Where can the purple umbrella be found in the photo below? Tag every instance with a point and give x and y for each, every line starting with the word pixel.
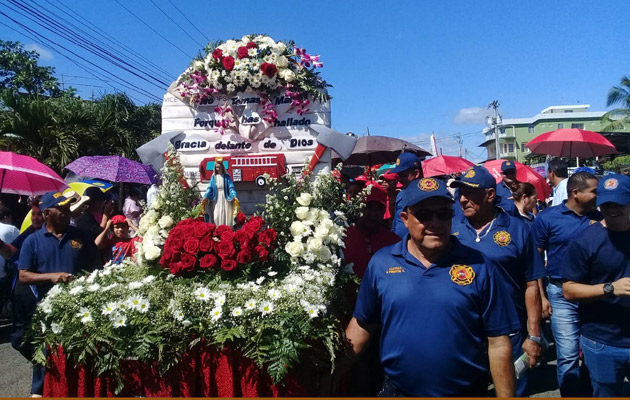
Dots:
pixel 113 169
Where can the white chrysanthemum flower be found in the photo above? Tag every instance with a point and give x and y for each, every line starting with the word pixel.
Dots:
pixel 259 280
pixel 216 313
pixel 219 300
pixel 144 306
pixel 274 294
pixel 148 279
pixel 134 302
pixel 55 290
pixel 119 321
pixel 76 290
pixel 109 308
pixel 46 305
pixel 266 307
pixel 109 287
pixel 55 328
pixel 178 315
pixel 135 285
pixel 85 314
pixel 202 294
pixel 250 304
pixel 237 312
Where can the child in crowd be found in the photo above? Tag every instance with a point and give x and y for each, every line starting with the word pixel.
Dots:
pixel 120 245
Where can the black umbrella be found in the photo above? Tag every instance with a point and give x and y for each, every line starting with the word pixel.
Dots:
pixel 372 150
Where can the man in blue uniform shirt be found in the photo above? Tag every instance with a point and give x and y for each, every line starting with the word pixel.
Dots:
pixel 54 254
pixel 438 304
pixel 408 167
pixel 506 187
pixel 554 229
pixel 597 274
pixel 505 242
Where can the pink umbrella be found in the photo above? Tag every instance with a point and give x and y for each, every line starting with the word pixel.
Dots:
pixel 25 175
pixel 524 173
pixel 571 142
pixel 444 165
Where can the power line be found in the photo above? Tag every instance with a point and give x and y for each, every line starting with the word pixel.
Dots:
pixel 154 31
pixel 189 21
pixel 175 23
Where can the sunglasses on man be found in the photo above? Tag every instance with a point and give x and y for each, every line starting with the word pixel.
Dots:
pixel 425 215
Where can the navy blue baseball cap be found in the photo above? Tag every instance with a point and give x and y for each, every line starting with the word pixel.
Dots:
pixel 425 188
pixel 507 165
pixel 406 161
pixel 476 177
pixel 614 188
pixel 54 199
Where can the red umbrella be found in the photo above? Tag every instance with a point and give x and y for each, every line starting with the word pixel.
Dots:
pixel 571 142
pixel 524 173
pixel 25 175
pixel 444 165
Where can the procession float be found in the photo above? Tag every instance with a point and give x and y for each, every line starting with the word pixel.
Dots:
pixel 257 309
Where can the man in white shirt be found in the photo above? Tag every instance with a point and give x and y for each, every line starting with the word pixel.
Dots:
pixel 557 174
pixel 8 233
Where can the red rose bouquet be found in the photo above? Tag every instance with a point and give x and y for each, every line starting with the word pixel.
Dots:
pixel 194 245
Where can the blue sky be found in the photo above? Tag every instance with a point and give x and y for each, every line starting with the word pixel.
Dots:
pixel 404 68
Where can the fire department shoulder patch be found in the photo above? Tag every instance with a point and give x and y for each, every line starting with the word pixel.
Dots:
pixel 462 274
pixel 76 244
pixel 502 238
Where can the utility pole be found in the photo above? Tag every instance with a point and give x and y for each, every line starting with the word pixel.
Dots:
pixel 459 142
pixel 495 122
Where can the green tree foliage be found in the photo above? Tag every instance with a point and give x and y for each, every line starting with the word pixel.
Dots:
pixel 20 72
pixel 618 118
pixel 617 164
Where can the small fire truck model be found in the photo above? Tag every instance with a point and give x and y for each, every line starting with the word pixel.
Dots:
pixel 247 168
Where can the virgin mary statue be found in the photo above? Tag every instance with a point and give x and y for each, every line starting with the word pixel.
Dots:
pixel 219 197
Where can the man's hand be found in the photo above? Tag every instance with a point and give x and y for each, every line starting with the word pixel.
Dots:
pixel 533 351
pixel 61 277
pixel 622 287
pixel 109 208
pixel 546 308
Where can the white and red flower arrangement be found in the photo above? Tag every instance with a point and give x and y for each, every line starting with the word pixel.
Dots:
pixel 194 245
pixel 259 64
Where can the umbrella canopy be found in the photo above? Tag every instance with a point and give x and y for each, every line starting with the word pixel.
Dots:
pixel 25 175
pixel 371 150
pixel 384 168
pixel 524 173
pixel 571 142
pixel 444 165
pixel 113 169
pixel 152 152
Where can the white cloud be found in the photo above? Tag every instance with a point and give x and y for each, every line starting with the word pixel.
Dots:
pixel 472 115
pixel 43 53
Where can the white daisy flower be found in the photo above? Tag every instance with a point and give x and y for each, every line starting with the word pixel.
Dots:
pixel 55 327
pixel 237 312
pixel 274 294
pixel 85 314
pixel 143 307
pixel 135 285
pixel 202 294
pixel 250 304
pixel 109 308
pixel 266 307
pixel 216 313
pixel 76 290
pixel 178 315
pixel 119 320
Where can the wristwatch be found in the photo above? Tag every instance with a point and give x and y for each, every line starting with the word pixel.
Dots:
pixel 537 339
pixel 609 289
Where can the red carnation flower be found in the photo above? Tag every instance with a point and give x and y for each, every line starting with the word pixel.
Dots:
pixel 206 244
pixel 228 265
pixel 217 53
pixel 251 45
pixel 244 256
pixel 191 246
pixel 228 63
pixel 225 249
pixel 242 52
pixel 269 69
pixel 263 253
pixel 208 261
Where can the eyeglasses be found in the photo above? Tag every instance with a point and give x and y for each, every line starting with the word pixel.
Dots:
pixel 425 215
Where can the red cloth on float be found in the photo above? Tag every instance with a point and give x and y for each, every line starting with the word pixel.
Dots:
pixel 203 372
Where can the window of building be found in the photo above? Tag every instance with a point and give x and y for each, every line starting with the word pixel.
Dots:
pixel 568 111
pixel 523 148
pixel 560 126
pixel 578 126
pixel 510 148
pixel 502 129
pixel 530 129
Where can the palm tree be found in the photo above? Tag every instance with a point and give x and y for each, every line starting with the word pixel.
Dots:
pixel 618 118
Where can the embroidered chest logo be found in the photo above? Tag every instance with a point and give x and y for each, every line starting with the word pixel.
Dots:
pixel 611 184
pixel 462 274
pixel 502 238
pixel 591 222
pixel 428 185
pixel 395 270
pixel 76 244
pixel 470 173
pixel 397 161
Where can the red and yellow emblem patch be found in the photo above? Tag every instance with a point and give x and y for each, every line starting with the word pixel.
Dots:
pixel 428 185
pixel 611 184
pixel 397 161
pixel 470 173
pixel 462 274
pixel 502 238
pixel 76 244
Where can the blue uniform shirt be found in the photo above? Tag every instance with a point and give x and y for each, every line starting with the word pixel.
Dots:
pixel 42 252
pixel 599 255
pixel 554 229
pixel 507 244
pixel 434 320
pixel 398 227
pixel 507 202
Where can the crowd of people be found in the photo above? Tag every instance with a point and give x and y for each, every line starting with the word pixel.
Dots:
pixel 476 268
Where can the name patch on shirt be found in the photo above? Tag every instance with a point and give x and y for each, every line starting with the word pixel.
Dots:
pixel 502 238
pixel 462 274
pixel 76 244
pixel 395 270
